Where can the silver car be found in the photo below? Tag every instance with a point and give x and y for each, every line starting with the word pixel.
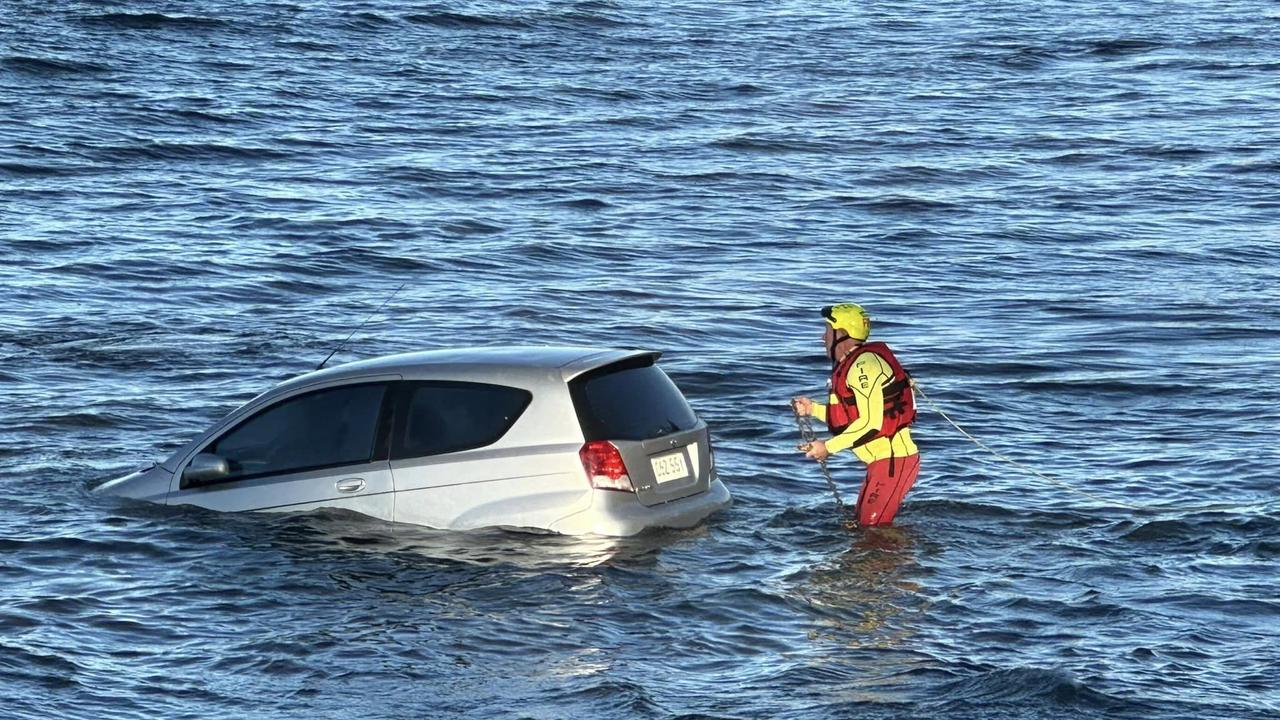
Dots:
pixel 566 440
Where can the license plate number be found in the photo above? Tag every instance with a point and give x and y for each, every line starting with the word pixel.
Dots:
pixel 671 466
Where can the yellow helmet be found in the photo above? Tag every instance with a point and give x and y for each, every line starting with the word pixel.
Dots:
pixel 849 318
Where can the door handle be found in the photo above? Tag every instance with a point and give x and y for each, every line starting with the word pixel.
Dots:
pixel 350 485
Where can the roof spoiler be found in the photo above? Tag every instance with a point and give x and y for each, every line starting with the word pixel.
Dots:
pixel 600 360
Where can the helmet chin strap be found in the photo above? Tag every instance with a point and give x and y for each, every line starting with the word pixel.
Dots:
pixel 837 337
pixel 840 338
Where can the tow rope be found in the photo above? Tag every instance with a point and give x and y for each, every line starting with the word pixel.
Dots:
pixel 1015 463
pixel 848 518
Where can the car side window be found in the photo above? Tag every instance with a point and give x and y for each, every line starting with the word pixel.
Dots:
pixel 444 417
pixel 326 428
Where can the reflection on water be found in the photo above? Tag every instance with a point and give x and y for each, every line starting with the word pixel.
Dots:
pixel 326 531
pixel 865 589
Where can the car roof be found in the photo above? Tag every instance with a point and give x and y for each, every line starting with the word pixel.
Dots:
pixel 477 364
pixel 474 361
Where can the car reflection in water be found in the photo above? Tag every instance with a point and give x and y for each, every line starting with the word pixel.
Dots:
pixel 337 533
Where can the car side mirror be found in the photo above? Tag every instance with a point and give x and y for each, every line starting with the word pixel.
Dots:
pixel 205 469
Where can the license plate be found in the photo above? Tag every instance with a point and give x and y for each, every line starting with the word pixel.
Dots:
pixel 671 466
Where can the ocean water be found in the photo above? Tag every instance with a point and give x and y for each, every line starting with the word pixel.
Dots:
pixel 1064 216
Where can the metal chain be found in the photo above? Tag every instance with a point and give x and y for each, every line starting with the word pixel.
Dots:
pixel 848 518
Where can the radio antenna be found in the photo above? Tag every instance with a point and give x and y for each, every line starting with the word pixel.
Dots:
pixel 366 322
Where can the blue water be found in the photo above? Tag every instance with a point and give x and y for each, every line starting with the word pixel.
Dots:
pixel 1064 216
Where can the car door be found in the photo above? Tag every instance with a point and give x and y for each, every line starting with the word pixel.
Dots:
pixel 453 469
pixel 322 448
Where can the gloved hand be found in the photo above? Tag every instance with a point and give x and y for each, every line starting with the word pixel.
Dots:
pixel 817 450
pixel 803 406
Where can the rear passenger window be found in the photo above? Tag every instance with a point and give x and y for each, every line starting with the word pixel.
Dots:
pixel 630 402
pixel 445 417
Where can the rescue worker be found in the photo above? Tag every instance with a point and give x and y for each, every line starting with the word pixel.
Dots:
pixel 868 408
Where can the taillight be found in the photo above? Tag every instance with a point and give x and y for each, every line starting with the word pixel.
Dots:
pixel 604 466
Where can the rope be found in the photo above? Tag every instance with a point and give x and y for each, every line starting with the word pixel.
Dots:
pixel 848 518
pixel 1015 463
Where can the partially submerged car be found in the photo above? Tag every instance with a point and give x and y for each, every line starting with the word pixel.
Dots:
pixel 567 440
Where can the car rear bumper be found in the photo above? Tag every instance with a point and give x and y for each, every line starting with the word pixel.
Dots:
pixel 620 513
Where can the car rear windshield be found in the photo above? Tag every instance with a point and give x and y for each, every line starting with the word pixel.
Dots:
pixel 630 402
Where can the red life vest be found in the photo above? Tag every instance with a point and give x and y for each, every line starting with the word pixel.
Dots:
pixel 899 401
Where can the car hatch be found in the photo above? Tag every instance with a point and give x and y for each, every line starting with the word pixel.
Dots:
pixel 634 406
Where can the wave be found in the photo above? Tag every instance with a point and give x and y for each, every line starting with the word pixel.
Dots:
pixel 74 549
pixel 36 171
pixel 1025 688
pixel 152 21
pixel 457 20
pixel 464 228
pixel 51 671
pixel 1121 46
pixel 1059 519
pixel 1203 529
pixel 585 204
pixel 367 21
pixel 1095 387
pixel 882 203
pixel 47 66
pixel 174 150
pixel 764 145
